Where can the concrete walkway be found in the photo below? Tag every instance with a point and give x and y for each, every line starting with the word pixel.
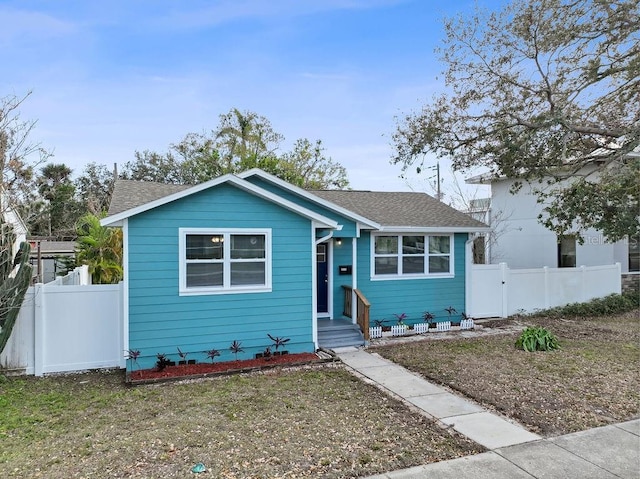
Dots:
pixel 606 452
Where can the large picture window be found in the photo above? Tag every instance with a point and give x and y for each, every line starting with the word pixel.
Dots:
pixel 411 255
pixel 224 261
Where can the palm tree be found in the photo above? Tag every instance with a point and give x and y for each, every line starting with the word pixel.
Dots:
pixel 100 248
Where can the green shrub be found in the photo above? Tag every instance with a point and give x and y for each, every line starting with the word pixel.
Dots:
pixel 612 304
pixel 537 339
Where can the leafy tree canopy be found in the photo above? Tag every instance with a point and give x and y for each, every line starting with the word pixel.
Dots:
pixel 548 91
pixel 242 140
pixel 94 188
pixel 19 154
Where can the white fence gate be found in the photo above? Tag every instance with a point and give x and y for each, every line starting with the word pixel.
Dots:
pixel 494 290
pixel 67 328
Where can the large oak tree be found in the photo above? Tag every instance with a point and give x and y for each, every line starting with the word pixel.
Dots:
pixel 547 91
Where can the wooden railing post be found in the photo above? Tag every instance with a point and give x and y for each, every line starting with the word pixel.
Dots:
pixel 362 313
pixel 361 309
pixel 347 308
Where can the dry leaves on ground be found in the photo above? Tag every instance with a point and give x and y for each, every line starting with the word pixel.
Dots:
pixel 591 381
pixel 311 422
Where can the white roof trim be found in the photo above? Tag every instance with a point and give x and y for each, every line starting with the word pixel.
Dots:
pixel 309 196
pixel 483 179
pixel 230 179
pixel 435 229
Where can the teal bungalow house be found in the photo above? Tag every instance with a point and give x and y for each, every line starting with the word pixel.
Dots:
pixel 244 256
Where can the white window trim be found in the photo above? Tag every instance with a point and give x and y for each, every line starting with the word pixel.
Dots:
pixel 226 232
pixel 400 277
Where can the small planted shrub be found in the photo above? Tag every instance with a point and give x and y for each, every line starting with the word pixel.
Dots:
pixel 450 310
pixel 278 341
pixel 213 354
pixel 183 356
pixel 428 317
pixel 132 356
pixel 400 319
pixel 537 339
pixel 379 323
pixel 235 348
pixel 162 361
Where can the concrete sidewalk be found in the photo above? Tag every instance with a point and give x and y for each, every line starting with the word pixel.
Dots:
pixel 605 452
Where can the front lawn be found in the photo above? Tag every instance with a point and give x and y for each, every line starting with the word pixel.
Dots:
pixel 591 381
pixel 310 422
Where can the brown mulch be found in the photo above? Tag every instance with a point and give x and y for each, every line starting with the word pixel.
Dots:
pixel 591 381
pixel 143 376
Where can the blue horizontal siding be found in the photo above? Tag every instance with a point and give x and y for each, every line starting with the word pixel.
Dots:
pixel 160 320
pixel 412 297
pixel 349 226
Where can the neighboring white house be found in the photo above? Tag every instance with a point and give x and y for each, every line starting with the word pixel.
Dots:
pixel 521 241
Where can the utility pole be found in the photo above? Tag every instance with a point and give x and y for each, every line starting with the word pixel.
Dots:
pixel 438 175
pixel 438 191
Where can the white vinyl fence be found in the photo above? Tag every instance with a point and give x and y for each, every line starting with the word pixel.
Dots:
pixel 494 290
pixel 78 277
pixel 67 328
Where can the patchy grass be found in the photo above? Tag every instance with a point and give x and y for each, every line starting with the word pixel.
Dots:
pixel 311 422
pixel 591 381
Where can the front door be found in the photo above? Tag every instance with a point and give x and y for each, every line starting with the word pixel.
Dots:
pixel 322 269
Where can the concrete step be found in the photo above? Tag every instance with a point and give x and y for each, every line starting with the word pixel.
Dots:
pixel 337 338
pixel 337 325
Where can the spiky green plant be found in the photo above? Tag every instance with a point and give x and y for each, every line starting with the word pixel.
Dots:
pixel 15 276
pixel 537 339
pixel 100 248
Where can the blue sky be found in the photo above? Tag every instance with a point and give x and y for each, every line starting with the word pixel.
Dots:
pixel 112 77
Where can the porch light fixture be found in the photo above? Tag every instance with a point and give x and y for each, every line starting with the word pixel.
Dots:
pixel 339 241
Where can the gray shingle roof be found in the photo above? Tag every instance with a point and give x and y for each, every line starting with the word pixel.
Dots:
pixel 386 208
pixel 128 194
pixel 400 208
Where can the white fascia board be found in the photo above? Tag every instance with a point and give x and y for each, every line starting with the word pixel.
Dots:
pixel 482 179
pixel 435 229
pixel 115 220
pixel 309 196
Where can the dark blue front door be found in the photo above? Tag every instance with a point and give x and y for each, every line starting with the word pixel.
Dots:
pixel 322 260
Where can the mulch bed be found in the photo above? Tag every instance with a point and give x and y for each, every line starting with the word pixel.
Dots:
pixel 188 371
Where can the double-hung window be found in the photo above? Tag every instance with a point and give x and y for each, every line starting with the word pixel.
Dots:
pixel 224 261
pixel 411 255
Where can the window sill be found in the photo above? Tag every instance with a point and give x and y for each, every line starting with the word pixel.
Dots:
pixel 414 277
pixel 214 292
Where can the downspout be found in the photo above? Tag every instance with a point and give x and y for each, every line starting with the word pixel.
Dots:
pixel 469 307
pixel 124 288
pixel 354 278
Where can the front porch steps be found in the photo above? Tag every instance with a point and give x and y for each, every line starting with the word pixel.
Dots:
pixel 338 333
